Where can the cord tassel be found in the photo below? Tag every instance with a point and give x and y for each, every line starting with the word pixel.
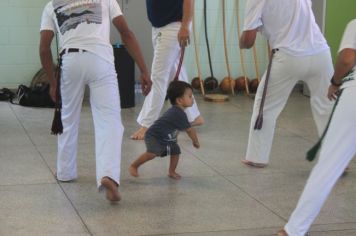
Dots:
pixel 311 154
pixel 57 126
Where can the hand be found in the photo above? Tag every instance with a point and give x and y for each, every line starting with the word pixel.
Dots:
pixel 333 92
pixel 183 36
pixel 196 144
pixel 146 83
pixel 53 90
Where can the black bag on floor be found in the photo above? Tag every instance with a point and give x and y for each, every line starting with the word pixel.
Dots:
pixel 37 96
pixel 6 95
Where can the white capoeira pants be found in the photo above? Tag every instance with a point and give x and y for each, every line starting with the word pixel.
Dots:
pixel 338 148
pixel 79 69
pixel 286 71
pixel 164 67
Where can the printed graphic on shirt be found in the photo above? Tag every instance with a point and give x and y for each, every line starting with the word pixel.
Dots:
pixel 71 13
pixel 172 137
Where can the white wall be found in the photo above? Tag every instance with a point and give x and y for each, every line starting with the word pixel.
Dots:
pixel 135 14
pixel 215 34
pixel 319 8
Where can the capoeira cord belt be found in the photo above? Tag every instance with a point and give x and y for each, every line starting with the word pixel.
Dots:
pixel 311 154
pixel 180 63
pixel 176 77
pixel 57 126
pixel 259 120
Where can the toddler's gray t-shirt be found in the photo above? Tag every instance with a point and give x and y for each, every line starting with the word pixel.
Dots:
pixel 166 128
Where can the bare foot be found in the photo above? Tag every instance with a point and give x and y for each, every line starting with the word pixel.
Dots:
pixel 111 188
pixel 174 175
pixel 139 134
pixel 198 121
pixel 133 171
pixel 282 232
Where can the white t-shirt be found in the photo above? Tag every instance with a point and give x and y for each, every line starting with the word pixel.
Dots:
pixel 349 41
pixel 83 24
pixel 287 24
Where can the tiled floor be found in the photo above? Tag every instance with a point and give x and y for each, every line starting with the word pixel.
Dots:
pixel 217 196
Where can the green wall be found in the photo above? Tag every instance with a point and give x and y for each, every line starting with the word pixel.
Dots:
pixel 338 14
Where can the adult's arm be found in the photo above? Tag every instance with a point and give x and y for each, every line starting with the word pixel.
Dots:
pixel 46 37
pixel 344 63
pixel 346 60
pixel 184 31
pixel 248 38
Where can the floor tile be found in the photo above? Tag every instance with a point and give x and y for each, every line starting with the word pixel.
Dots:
pixel 38 210
pixel 217 195
pixel 161 206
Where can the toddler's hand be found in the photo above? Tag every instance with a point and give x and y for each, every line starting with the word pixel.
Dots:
pixel 196 144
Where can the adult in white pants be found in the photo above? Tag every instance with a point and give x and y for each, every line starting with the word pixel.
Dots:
pixel 288 25
pixel 339 144
pixel 83 29
pixel 171 20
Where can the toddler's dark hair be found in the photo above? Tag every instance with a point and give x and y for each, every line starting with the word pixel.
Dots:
pixel 176 90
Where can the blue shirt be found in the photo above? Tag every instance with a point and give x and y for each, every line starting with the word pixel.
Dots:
pixel 163 12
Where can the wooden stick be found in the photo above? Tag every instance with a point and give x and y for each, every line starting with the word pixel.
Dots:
pixel 207 39
pixel 268 47
pixel 196 50
pixel 255 57
pixel 241 52
pixel 225 48
pixel 212 97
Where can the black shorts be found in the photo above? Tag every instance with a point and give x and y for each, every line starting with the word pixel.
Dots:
pixel 153 146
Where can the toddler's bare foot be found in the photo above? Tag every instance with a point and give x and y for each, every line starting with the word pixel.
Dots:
pixel 174 175
pixel 139 134
pixel 111 188
pixel 133 171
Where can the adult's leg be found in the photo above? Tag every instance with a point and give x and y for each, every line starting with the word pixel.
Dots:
pixel 105 106
pixel 72 92
pixel 318 81
pixel 284 75
pixel 338 148
pixel 166 52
